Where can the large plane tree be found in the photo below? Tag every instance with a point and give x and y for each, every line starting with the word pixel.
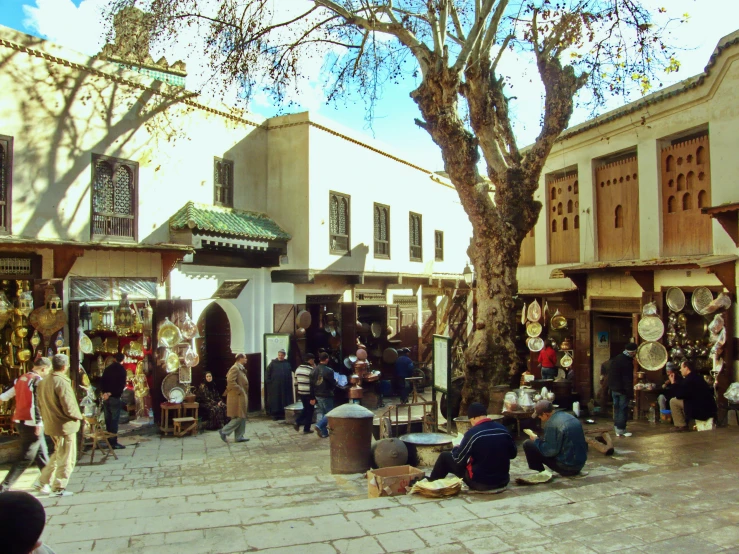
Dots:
pixel 453 49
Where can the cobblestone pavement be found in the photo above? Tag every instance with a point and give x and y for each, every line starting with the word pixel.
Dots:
pixel 660 492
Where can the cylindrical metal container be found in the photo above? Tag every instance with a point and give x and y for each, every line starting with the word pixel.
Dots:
pixel 463 424
pixel 424 448
pixel 497 394
pixel 350 427
pixel 389 452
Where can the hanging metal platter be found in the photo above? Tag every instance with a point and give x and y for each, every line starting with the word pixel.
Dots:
pixel 702 298
pixel 566 360
pixel 651 328
pixel 652 356
pixel 558 321
pixel 533 329
pixel 535 344
pixel 534 311
pixel 170 381
pixel 675 299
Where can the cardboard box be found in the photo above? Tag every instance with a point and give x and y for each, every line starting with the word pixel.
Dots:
pixel 392 481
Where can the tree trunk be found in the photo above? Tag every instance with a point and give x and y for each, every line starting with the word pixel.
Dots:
pixel 498 229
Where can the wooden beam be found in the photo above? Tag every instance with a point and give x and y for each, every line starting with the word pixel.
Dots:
pixel 64 259
pixel 730 222
pixel 169 261
pixel 580 280
pixel 726 273
pixel 645 279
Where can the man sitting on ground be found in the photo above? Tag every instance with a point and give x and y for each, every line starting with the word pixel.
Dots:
pixel 483 458
pixel 563 448
pixel 693 398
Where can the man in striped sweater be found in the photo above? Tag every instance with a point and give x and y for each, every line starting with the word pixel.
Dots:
pixel 483 458
pixel 305 376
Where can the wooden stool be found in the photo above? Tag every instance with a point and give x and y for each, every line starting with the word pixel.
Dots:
pixel 164 422
pixel 190 407
pixel 97 434
pixel 192 428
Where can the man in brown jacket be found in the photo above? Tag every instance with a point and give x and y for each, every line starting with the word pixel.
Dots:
pixel 61 416
pixel 237 386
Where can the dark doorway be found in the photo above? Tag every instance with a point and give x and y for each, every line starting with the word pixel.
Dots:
pixel 214 345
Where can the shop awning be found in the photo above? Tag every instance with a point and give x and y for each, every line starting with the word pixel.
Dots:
pixel 308 276
pixel 66 252
pixel 728 216
pixel 723 266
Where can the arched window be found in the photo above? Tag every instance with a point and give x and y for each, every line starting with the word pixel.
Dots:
pixel 577 222
pixel 687 202
pixel 619 217
pixel 703 199
pixel 559 208
pixel 671 205
pixel 577 187
pixel 669 163
pixel 339 223
pixel 382 231
pixel 415 230
pixel 689 180
pixel 700 155
pixel 565 225
pixel 680 182
pixel 554 226
pixel 569 206
pixel 114 198
pixel 554 193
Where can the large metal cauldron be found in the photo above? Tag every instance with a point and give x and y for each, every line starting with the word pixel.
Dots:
pixel 351 438
pixel 424 448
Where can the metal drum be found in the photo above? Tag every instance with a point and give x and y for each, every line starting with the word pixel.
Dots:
pixel 350 427
pixel 389 452
pixel 424 448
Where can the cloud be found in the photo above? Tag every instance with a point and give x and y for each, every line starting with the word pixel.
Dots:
pixel 78 27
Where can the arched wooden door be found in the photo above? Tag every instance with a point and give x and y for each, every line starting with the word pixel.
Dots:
pixel 214 344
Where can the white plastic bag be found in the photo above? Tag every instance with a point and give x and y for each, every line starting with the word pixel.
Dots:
pixel 732 394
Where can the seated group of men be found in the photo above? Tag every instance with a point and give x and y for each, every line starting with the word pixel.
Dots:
pixel 483 458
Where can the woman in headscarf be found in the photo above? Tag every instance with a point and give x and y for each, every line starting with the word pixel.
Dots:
pixel 211 404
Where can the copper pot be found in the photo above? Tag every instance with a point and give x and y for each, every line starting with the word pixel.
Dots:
pixel 356 392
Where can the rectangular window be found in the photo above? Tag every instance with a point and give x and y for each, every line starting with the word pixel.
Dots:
pixel 382 231
pixel 114 198
pixel 223 177
pixel 415 237
pixel 439 246
pixel 6 179
pixel 339 222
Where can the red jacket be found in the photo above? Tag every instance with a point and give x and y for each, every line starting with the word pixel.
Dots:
pixel 548 357
pixel 26 407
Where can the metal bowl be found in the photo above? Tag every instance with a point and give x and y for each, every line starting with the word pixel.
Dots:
pixel 652 356
pixel 702 298
pixel 533 329
pixel 651 328
pixel 535 344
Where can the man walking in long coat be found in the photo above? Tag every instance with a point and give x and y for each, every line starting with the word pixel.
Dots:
pixel 237 387
pixel 279 381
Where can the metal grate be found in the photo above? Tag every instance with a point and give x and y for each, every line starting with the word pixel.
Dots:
pixel 223 179
pixel 382 231
pixel 15 266
pixel 113 198
pixel 439 246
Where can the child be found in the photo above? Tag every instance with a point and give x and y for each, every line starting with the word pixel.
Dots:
pixel 22 520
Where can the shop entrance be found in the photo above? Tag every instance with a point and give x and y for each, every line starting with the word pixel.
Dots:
pixel 611 332
pixel 214 344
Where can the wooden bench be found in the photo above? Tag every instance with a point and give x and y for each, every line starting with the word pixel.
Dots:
pixel 179 426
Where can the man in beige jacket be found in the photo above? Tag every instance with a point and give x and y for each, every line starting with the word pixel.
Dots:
pixel 237 386
pixel 61 416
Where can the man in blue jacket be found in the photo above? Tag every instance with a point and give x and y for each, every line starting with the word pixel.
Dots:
pixel 483 458
pixel 563 448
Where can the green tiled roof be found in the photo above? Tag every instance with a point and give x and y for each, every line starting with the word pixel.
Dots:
pixel 227 221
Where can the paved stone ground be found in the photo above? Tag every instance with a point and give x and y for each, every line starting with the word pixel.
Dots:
pixel 660 492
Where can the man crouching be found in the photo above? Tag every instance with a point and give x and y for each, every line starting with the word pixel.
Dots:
pixel 483 458
pixel 563 448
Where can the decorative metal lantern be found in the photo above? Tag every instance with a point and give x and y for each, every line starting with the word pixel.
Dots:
pixel 6 310
pixel 85 317
pixel 53 302
pixel 24 304
pixel 108 318
pixel 147 317
pixel 124 315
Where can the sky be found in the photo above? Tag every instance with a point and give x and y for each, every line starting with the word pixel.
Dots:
pixel 76 24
